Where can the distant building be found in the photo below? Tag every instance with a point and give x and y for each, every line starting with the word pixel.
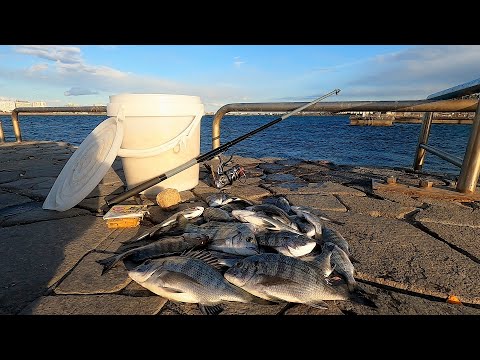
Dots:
pixel 71 105
pixel 22 103
pixel 39 103
pixel 7 105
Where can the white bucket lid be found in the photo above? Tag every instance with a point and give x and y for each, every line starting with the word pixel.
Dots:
pixel 87 166
pixel 154 105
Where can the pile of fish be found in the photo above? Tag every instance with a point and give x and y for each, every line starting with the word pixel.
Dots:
pixel 238 251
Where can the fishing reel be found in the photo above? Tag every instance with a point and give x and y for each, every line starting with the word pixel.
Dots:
pixel 226 177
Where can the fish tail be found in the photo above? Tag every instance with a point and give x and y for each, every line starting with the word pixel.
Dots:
pixel 352 285
pixel 361 297
pixel 109 262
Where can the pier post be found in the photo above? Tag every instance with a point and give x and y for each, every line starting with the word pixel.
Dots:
pixel 423 139
pixel 467 181
pixel 2 135
pixel 16 126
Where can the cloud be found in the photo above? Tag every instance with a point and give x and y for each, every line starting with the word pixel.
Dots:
pixel 37 67
pixel 237 62
pixel 61 53
pixel 415 72
pixel 77 91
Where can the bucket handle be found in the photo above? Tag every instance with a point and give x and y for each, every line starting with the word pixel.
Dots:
pixel 178 141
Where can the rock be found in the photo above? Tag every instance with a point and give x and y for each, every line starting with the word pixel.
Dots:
pixel 168 198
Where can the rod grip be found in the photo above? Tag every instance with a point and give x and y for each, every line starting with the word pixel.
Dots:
pixel 135 190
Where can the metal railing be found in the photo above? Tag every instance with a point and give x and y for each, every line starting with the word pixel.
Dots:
pixel 438 102
pixel 469 164
pixel 46 110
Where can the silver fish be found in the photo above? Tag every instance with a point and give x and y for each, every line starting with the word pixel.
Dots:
pixel 313 219
pixel 216 214
pixel 279 277
pixel 343 266
pixel 233 238
pixel 304 226
pixel 274 212
pixel 323 260
pixel 262 222
pixel 220 199
pixel 190 278
pixel 279 202
pixel 332 235
pixel 226 259
pixel 189 213
pixel 168 245
pixel 287 242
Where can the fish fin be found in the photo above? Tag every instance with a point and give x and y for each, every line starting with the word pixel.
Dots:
pixel 109 262
pixel 182 222
pixel 172 277
pixel 172 290
pixel 268 280
pixel 210 310
pixel 204 256
pixel 253 298
pixel 322 305
pixel 258 300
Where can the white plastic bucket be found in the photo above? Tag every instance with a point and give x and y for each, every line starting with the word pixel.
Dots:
pixel 161 132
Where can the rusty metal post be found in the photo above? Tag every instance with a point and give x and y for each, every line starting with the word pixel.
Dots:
pixel 16 126
pixel 2 135
pixel 423 139
pixel 467 181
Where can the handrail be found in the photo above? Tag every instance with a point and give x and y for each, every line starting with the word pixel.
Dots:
pixel 464 105
pixel 470 165
pixel 42 110
pixel 437 103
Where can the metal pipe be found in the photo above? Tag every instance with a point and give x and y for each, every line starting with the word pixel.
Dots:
pixel 42 110
pixel 464 105
pixel 16 126
pixel 443 155
pixel 2 135
pixel 467 181
pixel 423 139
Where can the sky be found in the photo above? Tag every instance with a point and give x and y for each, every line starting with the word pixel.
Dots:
pixel 222 74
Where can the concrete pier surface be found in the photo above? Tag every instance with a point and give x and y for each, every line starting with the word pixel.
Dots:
pixel 414 249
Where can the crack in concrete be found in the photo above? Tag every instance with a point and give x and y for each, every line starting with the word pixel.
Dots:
pixel 343 203
pixel 432 233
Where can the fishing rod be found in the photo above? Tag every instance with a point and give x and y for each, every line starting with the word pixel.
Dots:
pixel 209 155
